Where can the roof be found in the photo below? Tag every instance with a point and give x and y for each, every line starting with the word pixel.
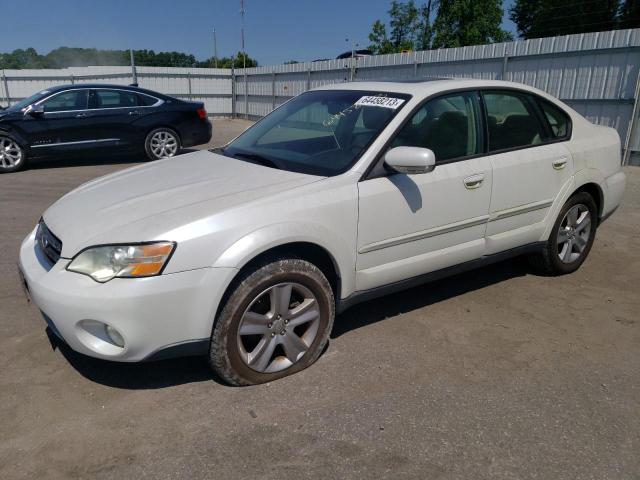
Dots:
pixel 101 85
pixel 427 86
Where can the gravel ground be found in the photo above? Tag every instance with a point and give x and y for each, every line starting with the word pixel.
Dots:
pixel 497 373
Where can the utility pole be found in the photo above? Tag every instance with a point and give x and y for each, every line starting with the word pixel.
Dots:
pixel 215 50
pixel 244 61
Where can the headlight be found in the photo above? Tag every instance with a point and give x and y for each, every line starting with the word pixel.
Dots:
pixel 130 261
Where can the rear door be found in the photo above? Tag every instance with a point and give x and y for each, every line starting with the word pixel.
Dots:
pixel 531 165
pixel 113 112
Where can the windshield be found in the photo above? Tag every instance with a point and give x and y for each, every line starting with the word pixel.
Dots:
pixel 28 101
pixel 318 133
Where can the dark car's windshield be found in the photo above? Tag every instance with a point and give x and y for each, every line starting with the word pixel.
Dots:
pixel 319 133
pixel 28 101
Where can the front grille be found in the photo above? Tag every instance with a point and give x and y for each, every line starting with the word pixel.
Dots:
pixel 48 243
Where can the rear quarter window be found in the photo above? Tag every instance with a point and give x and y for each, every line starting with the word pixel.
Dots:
pixel 558 120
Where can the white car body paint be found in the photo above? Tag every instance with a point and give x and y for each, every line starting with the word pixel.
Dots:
pixel 222 213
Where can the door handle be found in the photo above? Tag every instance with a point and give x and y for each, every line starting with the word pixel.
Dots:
pixel 134 112
pixel 560 163
pixel 474 181
pixel 81 115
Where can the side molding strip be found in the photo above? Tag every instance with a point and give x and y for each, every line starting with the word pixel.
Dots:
pixel 432 232
pixel 529 207
pixel 81 142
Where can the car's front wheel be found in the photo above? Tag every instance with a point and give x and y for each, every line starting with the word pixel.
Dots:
pixel 162 142
pixel 12 156
pixel 571 237
pixel 275 322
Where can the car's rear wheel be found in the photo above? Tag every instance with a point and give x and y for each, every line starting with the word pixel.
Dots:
pixel 275 322
pixel 12 156
pixel 162 143
pixel 571 237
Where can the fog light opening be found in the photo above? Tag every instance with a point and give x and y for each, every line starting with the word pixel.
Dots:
pixel 114 336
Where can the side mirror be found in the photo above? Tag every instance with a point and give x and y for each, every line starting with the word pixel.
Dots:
pixel 35 110
pixel 410 160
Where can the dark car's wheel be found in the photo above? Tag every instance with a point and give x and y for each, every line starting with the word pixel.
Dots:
pixel 275 322
pixel 12 156
pixel 571 237
pixel 162 142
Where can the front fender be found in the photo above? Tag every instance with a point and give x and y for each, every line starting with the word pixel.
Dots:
pixel 259 241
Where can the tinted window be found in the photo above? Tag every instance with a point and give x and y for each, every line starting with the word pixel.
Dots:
pixel 146 100
pixel 113 99
pixel 512 121
pixel 448 125
pixel 70 100
pixel 558 120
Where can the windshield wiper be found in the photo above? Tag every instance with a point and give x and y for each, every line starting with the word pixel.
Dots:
pixel 254 157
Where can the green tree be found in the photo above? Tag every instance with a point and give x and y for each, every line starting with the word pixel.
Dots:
pixel 404 22
pixel 380 43
pixel 469 22
pixel 547 18
pixel 425 29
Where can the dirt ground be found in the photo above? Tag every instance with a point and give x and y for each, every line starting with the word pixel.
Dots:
pixel 497 373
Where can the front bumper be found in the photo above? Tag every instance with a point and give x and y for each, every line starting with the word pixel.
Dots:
pixel 152 314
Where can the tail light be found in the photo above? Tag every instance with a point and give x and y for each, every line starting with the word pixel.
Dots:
pixel 202 113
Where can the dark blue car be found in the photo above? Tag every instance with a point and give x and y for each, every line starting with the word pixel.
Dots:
pixel 78 119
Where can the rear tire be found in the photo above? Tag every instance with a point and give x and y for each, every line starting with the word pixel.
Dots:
pixel 276 321
pixel 571 238
pixel 12 156
pixel 162 142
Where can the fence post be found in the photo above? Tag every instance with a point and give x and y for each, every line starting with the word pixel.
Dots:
pixel 309 78
pixel 72 79
pixel 6 88
pixel 273 89
pixel 134 73
pixel 189 85
pixel 233 92
pixel 635 111
pixel 505 61
pixel 246 95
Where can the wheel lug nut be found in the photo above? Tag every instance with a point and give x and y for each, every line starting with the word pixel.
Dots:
pixel 273 334
pixel 286 322
pixel 269 325
pixel 283 332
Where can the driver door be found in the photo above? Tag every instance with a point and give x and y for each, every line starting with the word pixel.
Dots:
pixel 410 225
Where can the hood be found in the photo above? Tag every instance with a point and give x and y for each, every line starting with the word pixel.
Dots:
pixel 143 202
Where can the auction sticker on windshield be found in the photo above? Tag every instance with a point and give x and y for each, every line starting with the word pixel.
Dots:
pixel 386 102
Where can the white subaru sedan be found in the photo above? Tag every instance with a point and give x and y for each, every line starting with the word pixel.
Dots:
pixel 347 192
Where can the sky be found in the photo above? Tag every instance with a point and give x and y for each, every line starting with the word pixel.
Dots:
pixel 275 30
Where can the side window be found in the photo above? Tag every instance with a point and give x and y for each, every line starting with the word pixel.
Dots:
pixel 65 101
pixel 558 120
pixel 113 99
pixel 512 121
pixel 448 125
pixel 146 100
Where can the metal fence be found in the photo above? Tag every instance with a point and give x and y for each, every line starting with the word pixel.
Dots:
pixel 598 74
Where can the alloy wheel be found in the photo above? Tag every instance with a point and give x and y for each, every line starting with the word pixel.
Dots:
pixel 278 327
pixel 164 144
pixel 10 153
pixel 574 233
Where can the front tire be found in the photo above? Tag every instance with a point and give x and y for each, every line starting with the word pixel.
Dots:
pixel 162 142
pixel 12 156
pixel 571 238
pixel 275 322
